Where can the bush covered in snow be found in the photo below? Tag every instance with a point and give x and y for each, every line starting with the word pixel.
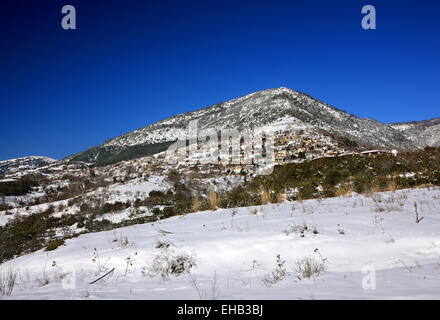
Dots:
pixel 170 261
pixel 7 282
pixel 309 267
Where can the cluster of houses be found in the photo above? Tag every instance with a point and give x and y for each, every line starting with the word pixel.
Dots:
pixel 299 146
pixel 289 147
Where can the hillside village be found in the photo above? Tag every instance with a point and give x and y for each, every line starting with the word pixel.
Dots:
pixel 289 147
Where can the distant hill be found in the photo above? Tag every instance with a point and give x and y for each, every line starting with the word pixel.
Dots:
pixel 22 164
pixel 424 133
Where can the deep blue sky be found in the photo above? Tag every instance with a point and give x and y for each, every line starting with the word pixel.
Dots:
pixel 132 63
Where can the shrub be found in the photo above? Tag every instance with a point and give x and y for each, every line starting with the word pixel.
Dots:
pixel 114 207
pixel 278 274
pixel 281 197
pixel 168 212
pixel 156 211
pixel 22 234
pixel 4 207
pixel 196 203
pixel 265 196
pixel 240 197
pixel 162 244
pixel 343 189
pixel 299 229
pixel 7 282
pixel 21 186
pixel 360 184
pixel 73 201
pixel 309 267
pixel 382 183
pixel 307 191
pixel 392 186
pixel 332 177
pixel 54 244
pixel 98 225
pixel 170 261
pixel 213 200
pixel 156 197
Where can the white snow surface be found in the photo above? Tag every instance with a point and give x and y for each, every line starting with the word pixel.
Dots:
pixel 234 252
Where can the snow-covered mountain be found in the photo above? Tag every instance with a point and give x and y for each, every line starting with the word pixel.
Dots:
pixel 25 163
pixel 279 109
pixel 423 133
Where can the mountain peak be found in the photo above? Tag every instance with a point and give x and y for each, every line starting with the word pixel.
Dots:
pixel 277 109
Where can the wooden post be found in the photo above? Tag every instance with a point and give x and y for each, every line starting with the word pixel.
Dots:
pixel 417 214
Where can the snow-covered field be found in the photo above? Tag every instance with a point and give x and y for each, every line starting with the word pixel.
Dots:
pixel 235 252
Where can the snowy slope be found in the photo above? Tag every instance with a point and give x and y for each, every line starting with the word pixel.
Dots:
pixel 423 133
pixel 262 109
pixel 236 252
pixel 22 164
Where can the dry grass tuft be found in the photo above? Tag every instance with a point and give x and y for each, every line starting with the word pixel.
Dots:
pixel 196 203
pixel 392 186
pixel 7 282
pixel 375 189
pixel 281 197
pixel 213 200
pixel 309 267
pixel 265 196
pixel 343 190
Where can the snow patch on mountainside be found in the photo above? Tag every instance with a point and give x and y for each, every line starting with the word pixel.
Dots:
pixel 25 163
